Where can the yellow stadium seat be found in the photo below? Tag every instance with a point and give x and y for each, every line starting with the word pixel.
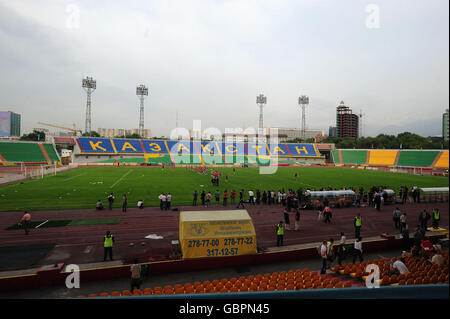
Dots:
pixel 382 157
pixel 443 160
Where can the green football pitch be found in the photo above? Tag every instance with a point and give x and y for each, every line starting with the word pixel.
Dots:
pixel 81 188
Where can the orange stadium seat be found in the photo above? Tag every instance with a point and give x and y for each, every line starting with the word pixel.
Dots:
pixel 137 292
pixel 186 285
pixel 148 291
pixel 179 291
pixel 410 281
pixel 126 292
pixel 104 294
pixel 223 290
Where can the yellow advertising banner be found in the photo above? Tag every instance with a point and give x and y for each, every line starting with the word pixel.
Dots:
pixel 216 233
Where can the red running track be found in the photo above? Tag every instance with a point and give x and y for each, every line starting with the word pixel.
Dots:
pixel 84 244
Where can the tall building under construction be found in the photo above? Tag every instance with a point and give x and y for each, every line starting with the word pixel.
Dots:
pixel 346 122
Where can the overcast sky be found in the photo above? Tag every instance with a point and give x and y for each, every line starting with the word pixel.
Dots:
pixel 210 59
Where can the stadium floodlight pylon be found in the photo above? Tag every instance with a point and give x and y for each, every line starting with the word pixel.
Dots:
pixel 261 100
pixel 303 101
pixel 141 91
pixel 89 85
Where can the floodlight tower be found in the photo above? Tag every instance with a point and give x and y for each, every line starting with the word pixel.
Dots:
pixel 303 101
pixel 89 85
pixel 261 100
pixel 361 132
pixel 141 91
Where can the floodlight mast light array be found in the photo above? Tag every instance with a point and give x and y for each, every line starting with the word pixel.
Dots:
pixel 261 100
pixel 89 85
pixel 141 91
pixel 303 101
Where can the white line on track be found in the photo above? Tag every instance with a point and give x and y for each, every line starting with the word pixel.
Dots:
pixel 88 249
pixel 41 224
pixel 120 178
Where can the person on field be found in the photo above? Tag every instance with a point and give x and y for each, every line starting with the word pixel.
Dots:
pixel 217 196
pixel 357 250
pixel 194 202
pixel 25 222
pixel 225 197
pixel 241 202
pixel 287 224
pixel 396 217
pixel 208 199
pixel 168 201
pixel 233 197
pixel 251 197
pixel 398 267
pixel 297 220
pixel 323 255
pixel 202 197
pixel 124 203
pixel 280 233
pixel 327 214
pixel 340 253
pixel 436 218
pixel 162 201
pixel 424 216
pixel 330 252
pixel 135 270
pixel 140 204
pixel 405 236
pixel 111 200
pixel 99 205
pixel 108 242
pixel 403 221
pixel 357 223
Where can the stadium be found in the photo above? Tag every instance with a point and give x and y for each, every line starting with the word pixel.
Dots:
pixel 294 198
pixel 66 225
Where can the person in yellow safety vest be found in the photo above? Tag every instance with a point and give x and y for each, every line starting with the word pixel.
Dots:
pixel 358 223
pixel 280 233
pixel 108 241
pixel 436 218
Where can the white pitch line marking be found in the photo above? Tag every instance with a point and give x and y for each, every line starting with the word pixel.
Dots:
pixel 73 177
pixel 41 224
pixel 120 178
